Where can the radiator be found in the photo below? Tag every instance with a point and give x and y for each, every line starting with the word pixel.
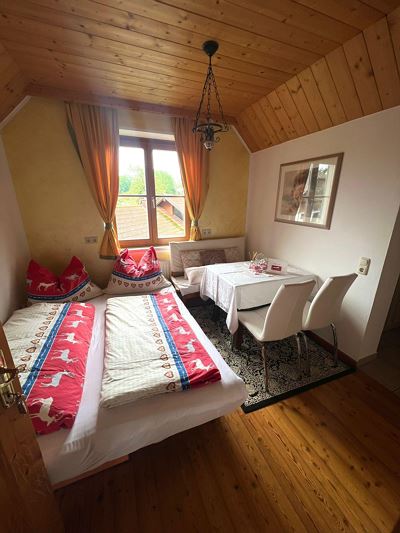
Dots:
pixel 166 268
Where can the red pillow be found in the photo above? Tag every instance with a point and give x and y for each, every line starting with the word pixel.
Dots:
pixel 131 276
pixel 74 284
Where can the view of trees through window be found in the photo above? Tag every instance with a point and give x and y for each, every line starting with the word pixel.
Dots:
pixel 139 195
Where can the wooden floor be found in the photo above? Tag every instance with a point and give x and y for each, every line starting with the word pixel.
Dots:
pixel 326 460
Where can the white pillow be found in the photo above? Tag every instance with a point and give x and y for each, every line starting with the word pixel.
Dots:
pixel 195 274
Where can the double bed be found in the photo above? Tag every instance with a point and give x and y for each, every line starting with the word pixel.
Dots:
pixel 101 436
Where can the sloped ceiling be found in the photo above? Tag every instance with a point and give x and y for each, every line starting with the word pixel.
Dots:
pixel 12 83
pixel 285 68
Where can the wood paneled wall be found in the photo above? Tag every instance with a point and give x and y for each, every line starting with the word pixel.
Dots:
pixel 12 83
pixel 357 79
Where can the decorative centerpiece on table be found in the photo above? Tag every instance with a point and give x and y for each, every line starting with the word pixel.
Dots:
pixel 258 263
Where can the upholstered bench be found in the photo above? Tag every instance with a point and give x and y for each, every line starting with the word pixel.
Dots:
pixel 234 248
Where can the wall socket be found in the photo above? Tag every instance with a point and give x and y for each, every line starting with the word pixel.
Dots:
pixel 363 266
pixel 91 239
pixel 206 232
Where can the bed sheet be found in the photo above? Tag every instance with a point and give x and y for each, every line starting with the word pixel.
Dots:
pixel 100 435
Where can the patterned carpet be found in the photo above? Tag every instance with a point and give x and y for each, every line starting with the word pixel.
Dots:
pixel 284 380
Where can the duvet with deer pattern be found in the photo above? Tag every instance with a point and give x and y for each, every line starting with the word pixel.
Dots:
pixel 49 343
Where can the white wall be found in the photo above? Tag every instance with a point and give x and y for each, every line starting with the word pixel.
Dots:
pixel 14 253
pixel 364 216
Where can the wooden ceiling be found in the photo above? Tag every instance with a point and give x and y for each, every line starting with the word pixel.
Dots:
pixel 147 53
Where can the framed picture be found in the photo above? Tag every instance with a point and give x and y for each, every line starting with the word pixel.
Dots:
pixel 307 190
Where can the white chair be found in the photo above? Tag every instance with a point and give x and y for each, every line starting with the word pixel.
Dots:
pixel 324 309
pixel 282 319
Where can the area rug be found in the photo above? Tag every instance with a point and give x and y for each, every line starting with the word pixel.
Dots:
pixel 246 362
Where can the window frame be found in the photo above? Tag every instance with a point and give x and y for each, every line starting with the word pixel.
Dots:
pixel 148 144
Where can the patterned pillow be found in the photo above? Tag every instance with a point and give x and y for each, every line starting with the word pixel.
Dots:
pixel 130 276
pixel 211 257
pixel 233 255
pixel 74 284
pixel 190 258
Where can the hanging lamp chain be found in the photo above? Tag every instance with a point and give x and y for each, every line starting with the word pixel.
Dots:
pixel 210 83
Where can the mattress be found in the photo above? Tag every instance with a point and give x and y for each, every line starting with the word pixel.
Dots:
pixel 101 435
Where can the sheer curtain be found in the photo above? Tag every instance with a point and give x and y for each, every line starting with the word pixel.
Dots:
pixel 193 161
pixel 95 133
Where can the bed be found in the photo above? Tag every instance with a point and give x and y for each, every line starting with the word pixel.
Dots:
pixel 101 436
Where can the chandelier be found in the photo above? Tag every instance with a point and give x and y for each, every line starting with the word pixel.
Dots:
pixel 206 126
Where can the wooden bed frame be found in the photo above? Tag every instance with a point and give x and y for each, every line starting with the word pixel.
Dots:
pixel 92 472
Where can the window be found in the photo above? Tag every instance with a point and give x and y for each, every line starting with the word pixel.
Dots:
pixel 151 201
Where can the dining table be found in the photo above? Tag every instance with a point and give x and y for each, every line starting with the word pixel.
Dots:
pixel 234 287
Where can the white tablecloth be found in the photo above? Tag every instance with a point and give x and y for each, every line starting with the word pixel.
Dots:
pixel 234 287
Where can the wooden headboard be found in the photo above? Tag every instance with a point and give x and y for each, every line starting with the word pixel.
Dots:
pixel 175 249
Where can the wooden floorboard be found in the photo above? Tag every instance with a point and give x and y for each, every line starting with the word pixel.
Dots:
pixel 323 461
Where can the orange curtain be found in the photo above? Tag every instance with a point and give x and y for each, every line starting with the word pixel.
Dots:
pixel 193 159
pixel 96 136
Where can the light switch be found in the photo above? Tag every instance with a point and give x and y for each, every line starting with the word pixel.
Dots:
pixel 91 239
pixel 363 266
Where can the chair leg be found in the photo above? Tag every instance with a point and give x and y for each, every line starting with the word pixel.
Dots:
pixel 308 372
pixel 265 359
pixel 335 345
pixel 298 353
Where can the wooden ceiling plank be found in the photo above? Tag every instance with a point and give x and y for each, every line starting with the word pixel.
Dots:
pixel 257 23
pixel 69 41
pixel 137 77
pixel 121 90
pixel 245 127
pixel 47 21
pixel 394 28
pixel 290 107
pixel 344 83
pixel 282 115
pixel 214 28
pixel 361 70
pixel 158 29
pixel 157 71
pixel 299 98
pixel 293 14
pixel 5 60
pixel 265 122
pixel 101 88
pixel 386 6
pixel 314 98
pixel 273 119
pixel 328 91
pixel 353 12
pixel 247 139
pixel 12 94
pixel 101 99
pixel 255 123
pixel 381 53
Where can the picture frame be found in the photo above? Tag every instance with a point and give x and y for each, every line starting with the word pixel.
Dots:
pixel 307 191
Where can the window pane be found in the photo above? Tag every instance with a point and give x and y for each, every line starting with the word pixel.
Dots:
pixel 170 216
pixel 132 220
pixel 167 174
pixel 131 170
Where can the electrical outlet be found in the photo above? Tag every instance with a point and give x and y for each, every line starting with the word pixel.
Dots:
pixel 363 266
pixel 206 232
pixel 91 239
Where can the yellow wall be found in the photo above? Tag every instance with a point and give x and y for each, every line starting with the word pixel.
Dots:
pixel 56 205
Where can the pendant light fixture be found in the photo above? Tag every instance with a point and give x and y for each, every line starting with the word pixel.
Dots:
pixel 204 123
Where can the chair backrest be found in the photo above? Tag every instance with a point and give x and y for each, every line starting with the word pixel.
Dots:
pixel 284 316
pixel 325 307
